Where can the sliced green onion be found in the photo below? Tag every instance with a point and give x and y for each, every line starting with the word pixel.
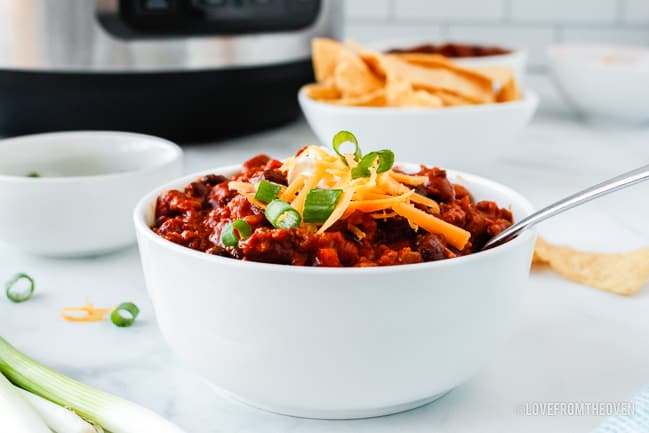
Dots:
pixel 17 294
pixel 267 191
pixel 343 137
pixel 33 174
pixel 385 162
pixel 281 215
pixel 125 314
pixel 110 412
pixel 234 232
pixel 319 204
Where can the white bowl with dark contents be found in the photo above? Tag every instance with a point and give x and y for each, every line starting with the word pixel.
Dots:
pixel 72 193
pixel 333 342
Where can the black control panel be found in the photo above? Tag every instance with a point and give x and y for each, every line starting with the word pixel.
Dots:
pixel 173 18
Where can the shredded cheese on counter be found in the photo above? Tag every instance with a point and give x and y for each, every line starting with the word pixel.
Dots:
pixel 89 313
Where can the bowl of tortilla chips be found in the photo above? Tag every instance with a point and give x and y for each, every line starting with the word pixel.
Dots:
pixel 424 106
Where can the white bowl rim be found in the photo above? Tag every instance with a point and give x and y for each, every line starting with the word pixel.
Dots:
pixel 530 99
pixel 173 150
pixel 553 48
pixel 149 199
pixel 584 57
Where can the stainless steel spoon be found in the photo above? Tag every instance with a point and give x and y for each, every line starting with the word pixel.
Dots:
pixel 618 182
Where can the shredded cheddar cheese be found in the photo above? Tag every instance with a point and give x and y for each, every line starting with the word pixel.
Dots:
pixel 408 179
pixel 455 235
pixel 312 182
pixel 291 191
pixel 381 195
pixel 89 313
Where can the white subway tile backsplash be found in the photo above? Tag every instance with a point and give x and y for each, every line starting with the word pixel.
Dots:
pixel 635 11
pixel 533 24
pixel 475 10
pixel 367 9
pixel 364 33
pixel 612 36
pixel 534 39
pixel 561 11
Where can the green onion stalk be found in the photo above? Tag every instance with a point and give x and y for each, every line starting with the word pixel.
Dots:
pixel 113 414
pixel 57 418
pixel 15 413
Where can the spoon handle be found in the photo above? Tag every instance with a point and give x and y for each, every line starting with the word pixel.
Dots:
pixel 618 182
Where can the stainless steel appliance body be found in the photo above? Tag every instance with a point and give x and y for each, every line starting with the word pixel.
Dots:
pixel 186 69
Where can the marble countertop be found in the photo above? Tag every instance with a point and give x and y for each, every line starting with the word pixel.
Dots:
pixel 571 343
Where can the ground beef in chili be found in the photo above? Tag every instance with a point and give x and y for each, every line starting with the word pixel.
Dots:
pixel 195 217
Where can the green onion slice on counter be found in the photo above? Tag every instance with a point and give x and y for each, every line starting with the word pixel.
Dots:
pixel 33 174
pixel 267 191
pixel 343 137
pixel 125 314
pixel 20 288
pixel 281 215
pixel 234 232
pixel 383 160
pixel 319 204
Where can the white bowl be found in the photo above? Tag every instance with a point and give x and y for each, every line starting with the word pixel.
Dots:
pixel 467 137
pixel 603 80
pixel 89 185
pixel 515 59
pixel 335 342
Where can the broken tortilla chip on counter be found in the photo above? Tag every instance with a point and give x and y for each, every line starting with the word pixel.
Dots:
pixel 348 74
pixel 619 273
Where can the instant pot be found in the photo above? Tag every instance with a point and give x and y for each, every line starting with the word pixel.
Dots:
pixel 185 69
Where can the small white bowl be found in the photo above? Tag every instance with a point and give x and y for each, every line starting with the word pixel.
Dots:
pixel 608 81
pixel 466 137
pixel 89 184
pixel 515 59
pixel 335 342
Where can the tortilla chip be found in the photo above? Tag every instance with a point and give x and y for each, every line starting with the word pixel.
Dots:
pixel 325 53
pixel 425 60
pixel 619 273
pixel 400 93
pixel 422 98
pixel 436 61
pixel 349 74
pixel 509 92
pixel 373 99
pixel 322 92
pixel 501 77
pixel 470 87
pixel 497 74
pixel 452 100
pixel 353 77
